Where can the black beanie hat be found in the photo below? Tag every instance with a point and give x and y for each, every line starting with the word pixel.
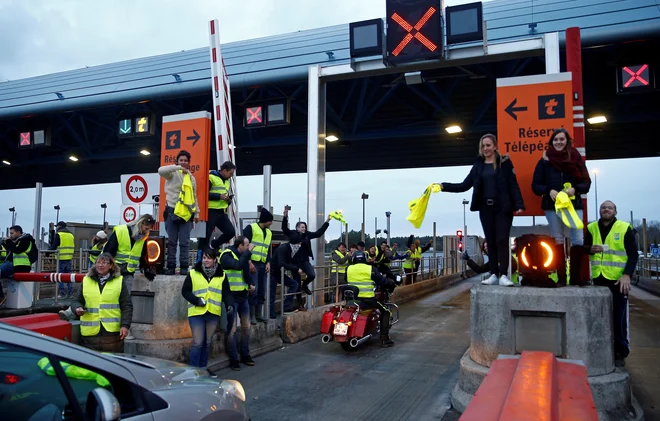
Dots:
pixel 265 216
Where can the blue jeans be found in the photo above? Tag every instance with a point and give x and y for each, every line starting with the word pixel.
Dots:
pixel 203 329
pixel 559 231
pixel 259 279
pixel 65 267
pixel 292 286
pixel 6 271
pixel 243 311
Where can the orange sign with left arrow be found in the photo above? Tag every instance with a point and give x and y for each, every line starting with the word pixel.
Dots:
pixel 529 109
pixel 190 132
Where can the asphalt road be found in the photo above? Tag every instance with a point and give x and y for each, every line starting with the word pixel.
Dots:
pixel 411 381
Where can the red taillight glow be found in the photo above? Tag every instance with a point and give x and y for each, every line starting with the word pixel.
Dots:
pixel 12 379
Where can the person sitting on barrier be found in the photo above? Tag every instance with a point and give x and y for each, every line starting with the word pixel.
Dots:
pixel 611 243
pixel 496 195
pixel 306 247
pixel 22 252
pixel 64 244
pixel 283 259
pixel 234 261
pixel 206 288
pixel 341 259
pixel 562 169
pixel 104 306
pixel 98 242
pixel 366 277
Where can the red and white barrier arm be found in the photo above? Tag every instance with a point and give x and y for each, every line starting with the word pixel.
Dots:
pixel 67 278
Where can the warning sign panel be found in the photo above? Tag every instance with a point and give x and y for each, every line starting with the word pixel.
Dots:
pixel 139 189
pixel 529 109
pixel 190 132
pixel 129 213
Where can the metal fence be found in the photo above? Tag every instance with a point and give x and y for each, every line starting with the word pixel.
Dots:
pixel 648 267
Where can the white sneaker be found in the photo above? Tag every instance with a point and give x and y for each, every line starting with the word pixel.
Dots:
pixel 505 282
pixel 490 281
pixel 129 337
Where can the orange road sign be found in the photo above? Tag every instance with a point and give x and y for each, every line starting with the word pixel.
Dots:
pixel 190 132
pixel 529 109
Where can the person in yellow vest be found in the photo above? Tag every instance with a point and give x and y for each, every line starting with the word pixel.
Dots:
pixel 104 307
pixel 366 277
pixel 64 244
pixel 341 259
pixel 22 252
pixel 219 200
pixel 3 256
pixel 234 261
pixel 180 211
pixel 261 237
pixel 614 256
pixel 99 240
pixel 206 287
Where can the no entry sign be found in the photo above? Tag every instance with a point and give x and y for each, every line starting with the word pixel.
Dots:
pixel 139 189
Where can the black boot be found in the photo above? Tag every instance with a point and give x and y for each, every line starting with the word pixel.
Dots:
pixel 385 341
pixel 560 258
pixel 183 270
pixel 169 271
pixel 577 254
pixel 305 288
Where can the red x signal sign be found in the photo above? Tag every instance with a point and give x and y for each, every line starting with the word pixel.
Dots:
pixel 636 75
pixel 254 116
pixel 413 31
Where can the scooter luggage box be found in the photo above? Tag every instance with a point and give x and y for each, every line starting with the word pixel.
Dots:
pixel 58 329
pixel 326 321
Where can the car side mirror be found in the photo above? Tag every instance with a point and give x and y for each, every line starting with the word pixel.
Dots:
pixel 102 406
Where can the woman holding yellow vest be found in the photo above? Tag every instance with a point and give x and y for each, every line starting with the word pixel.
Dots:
pixel 561 169
pixel 104 307
pixel 205 288
pixel 180 210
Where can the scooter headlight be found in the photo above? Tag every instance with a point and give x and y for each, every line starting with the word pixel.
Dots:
pixel 233 387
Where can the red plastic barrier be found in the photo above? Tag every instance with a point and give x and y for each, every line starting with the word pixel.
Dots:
pixel 535 387
pixel 49 277
pixel 48 324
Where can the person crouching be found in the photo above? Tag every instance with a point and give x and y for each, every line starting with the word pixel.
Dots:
pixel 205 288
pixel 104 307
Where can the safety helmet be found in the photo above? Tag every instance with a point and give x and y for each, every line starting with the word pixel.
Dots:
pixel 359 257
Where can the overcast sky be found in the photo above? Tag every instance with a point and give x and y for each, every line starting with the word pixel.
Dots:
pixel 41 37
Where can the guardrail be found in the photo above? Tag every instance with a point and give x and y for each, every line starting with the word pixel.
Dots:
pixel 648 267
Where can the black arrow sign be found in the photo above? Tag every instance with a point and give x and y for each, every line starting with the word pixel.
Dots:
pixel 196 136
pixel 511 109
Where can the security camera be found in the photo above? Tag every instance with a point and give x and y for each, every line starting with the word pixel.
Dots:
pixel 156 198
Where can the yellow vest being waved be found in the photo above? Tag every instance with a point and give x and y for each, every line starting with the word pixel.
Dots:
pixel 612 262
pixel 211 292
pixel 234 277
pixel 261 244
pixel 66 246
pixel 220 187
pixel 126 253
pixel 359 275
pixel 102 308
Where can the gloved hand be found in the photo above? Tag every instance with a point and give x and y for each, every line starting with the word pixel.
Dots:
pixel 465 255
pixel 150 273
pixel 201 302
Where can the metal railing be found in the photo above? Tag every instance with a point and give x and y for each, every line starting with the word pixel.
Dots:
pixel 648 267
pixel 48 261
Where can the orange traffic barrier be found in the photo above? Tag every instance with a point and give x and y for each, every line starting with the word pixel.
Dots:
pixel 534 387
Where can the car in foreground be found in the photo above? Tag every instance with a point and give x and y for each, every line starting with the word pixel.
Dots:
pixel 45 379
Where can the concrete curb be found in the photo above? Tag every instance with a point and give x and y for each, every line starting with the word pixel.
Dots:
pixel 648 284
pixel 305 324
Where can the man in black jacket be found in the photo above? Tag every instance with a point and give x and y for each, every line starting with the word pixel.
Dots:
pixel 302 259
pixel 234 261
pixel 21 252
pixel 283 259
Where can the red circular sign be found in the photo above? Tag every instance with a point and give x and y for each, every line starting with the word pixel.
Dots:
pixel 136 189
pixel 129 214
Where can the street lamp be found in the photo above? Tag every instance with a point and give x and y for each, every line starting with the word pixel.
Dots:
pixel 104 207
pixel 387 231
pixel 364 214
pixel 595 171
pixel 465 202
pixel 13 216
pixel 57 218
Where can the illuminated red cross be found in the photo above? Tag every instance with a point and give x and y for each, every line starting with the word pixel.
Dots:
pixel 636 76
pixel 413 31
pixel 25 139
pixel 254 115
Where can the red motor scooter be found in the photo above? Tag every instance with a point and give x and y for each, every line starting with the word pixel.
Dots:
pixel 351 326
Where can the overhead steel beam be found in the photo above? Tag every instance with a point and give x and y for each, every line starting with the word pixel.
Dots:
pixel 437 107
pixel 381 101
pixel 347 100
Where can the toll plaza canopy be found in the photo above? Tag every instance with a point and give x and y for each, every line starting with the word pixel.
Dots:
pixel 105 115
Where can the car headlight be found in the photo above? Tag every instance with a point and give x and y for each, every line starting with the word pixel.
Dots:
pixel 233 387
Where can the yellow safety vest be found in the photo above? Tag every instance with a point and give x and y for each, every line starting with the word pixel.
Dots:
pixel 22 259
pixel 102 307
pixel 67 245
pixel 360 275
pixel 211 292
pixel 514 275
pixel 126 254
pixel 609 263
pixel 235 277
pixel 3 253
pixel 73 372
pixel 95 252
pixel 220 187
pixel 185 205
pixel 260 250
pixel 418 254
pixel 336 268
